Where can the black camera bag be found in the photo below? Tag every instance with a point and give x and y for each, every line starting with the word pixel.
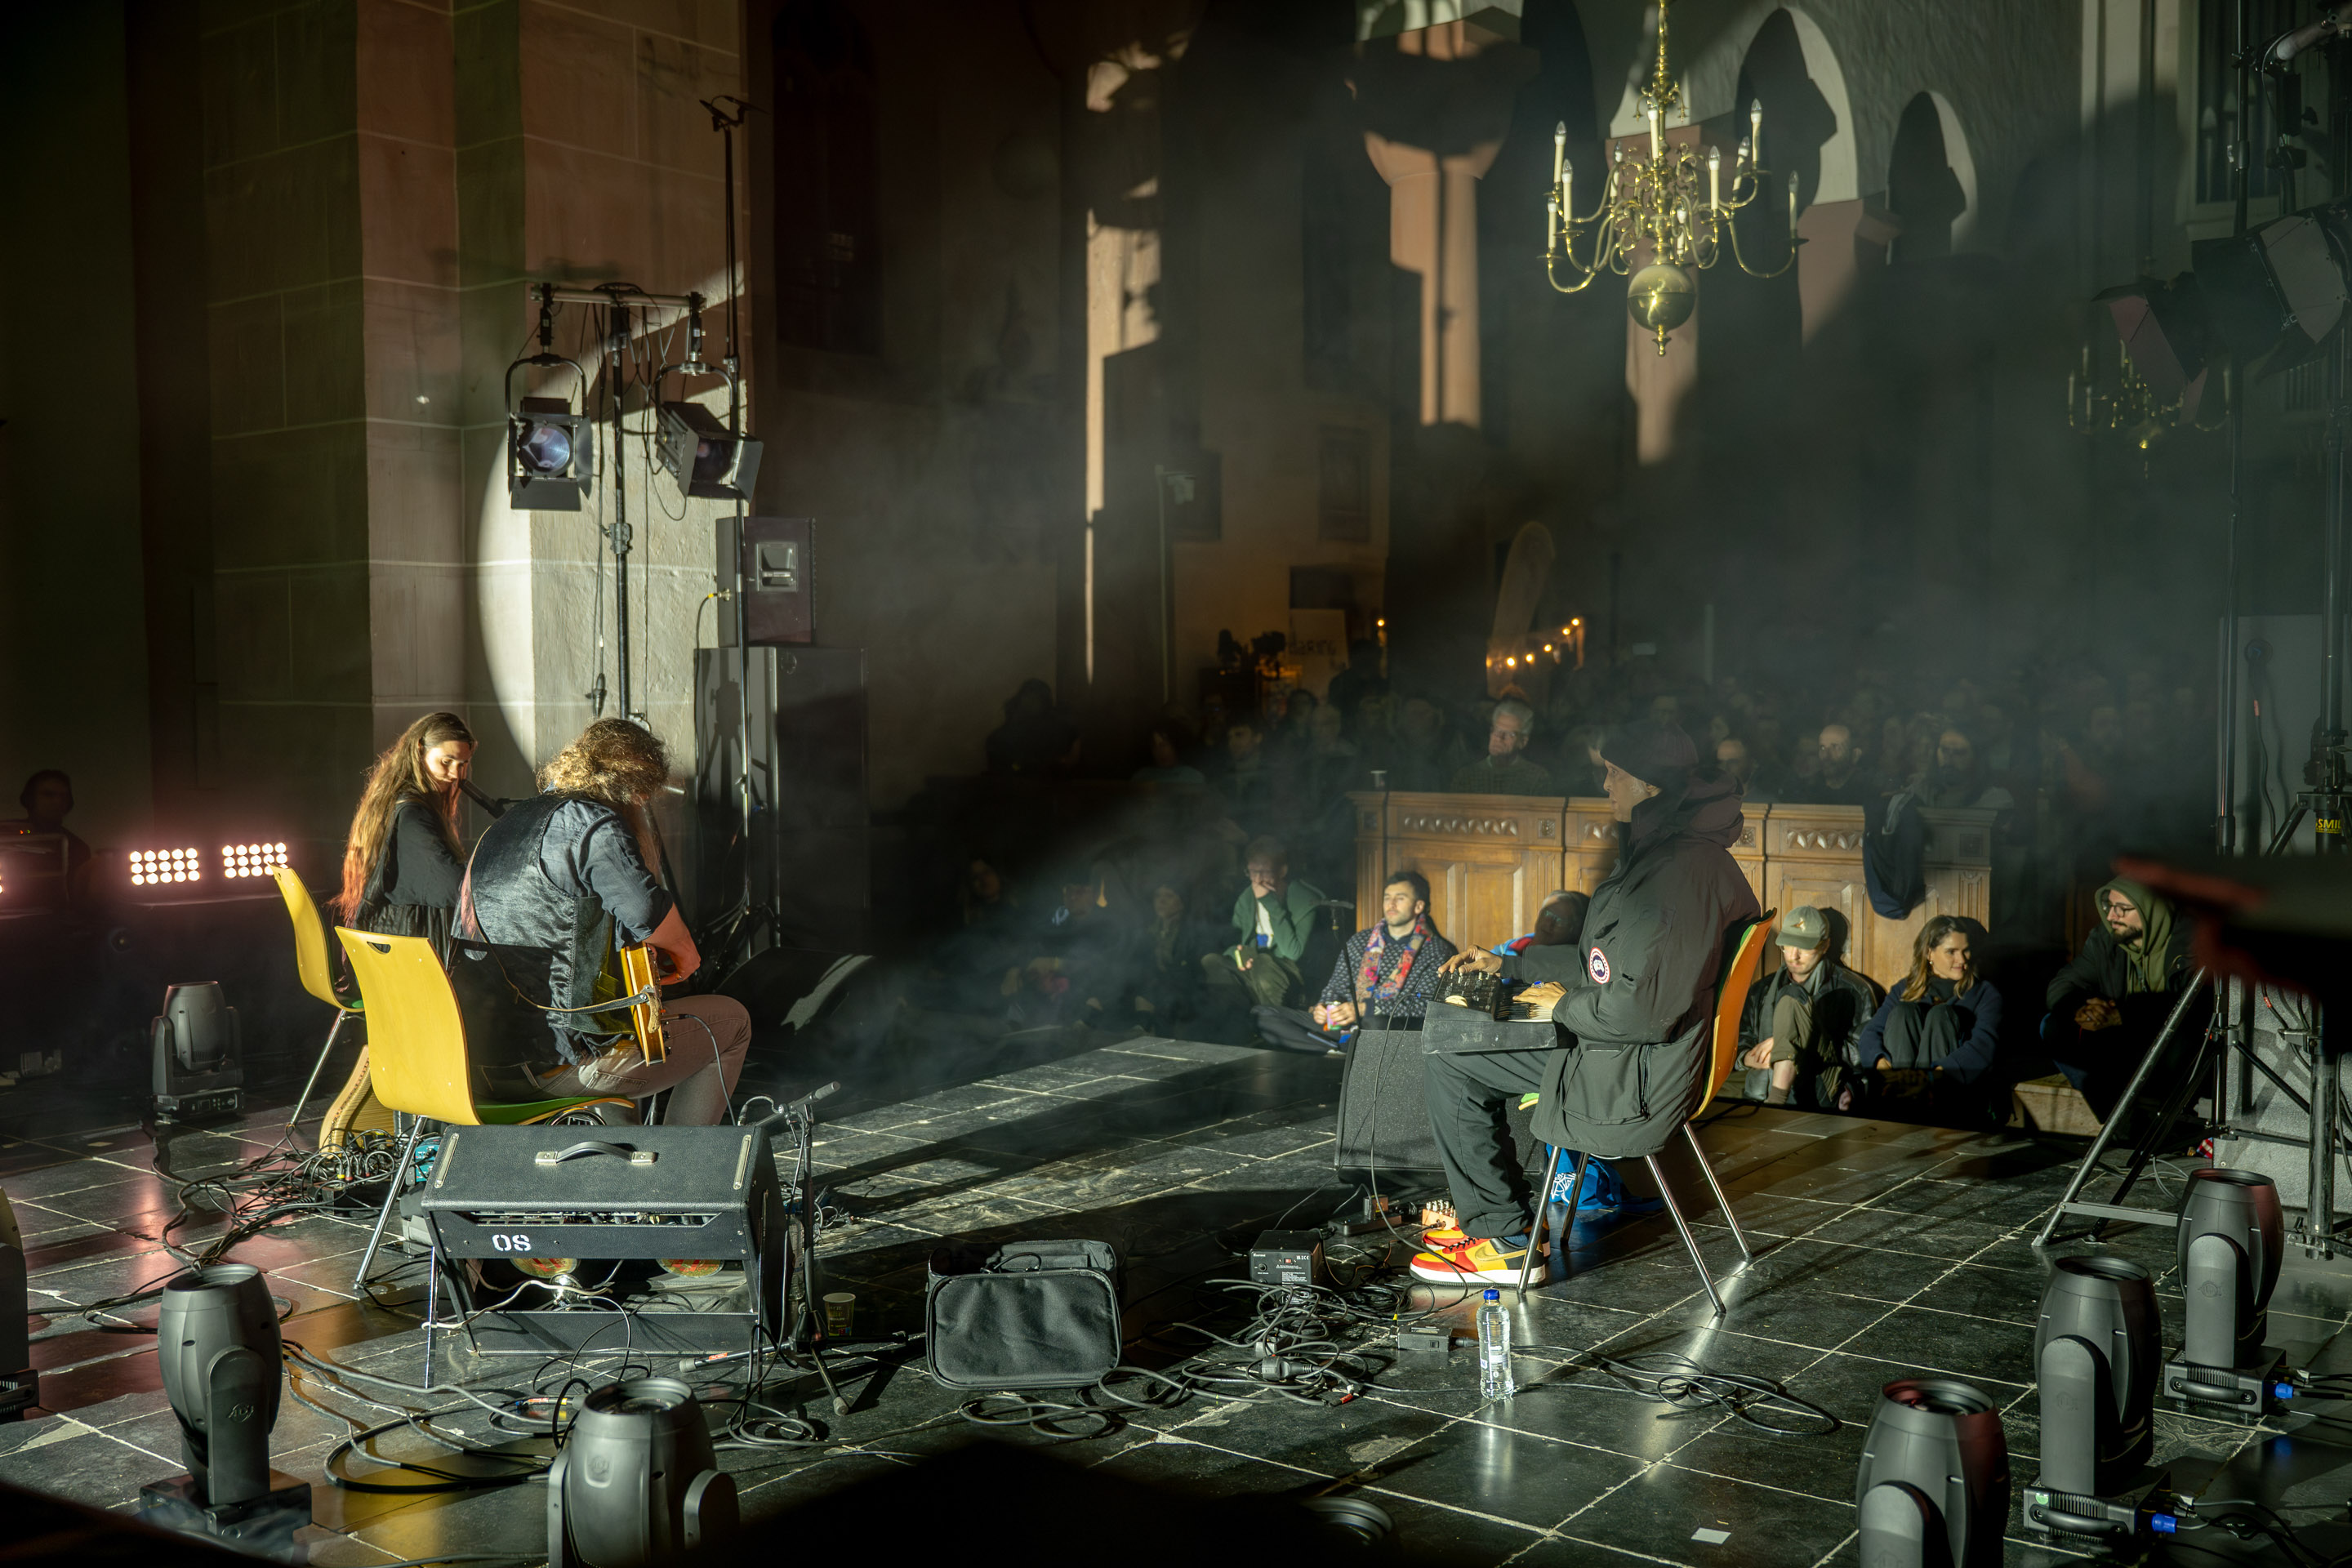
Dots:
pixel 1027 1314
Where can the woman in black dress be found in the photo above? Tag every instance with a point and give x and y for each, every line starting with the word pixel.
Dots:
pixel 403 867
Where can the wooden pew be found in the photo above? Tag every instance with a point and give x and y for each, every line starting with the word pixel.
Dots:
pixel 1491 858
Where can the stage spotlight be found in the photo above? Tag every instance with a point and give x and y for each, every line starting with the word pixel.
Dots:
pixel 199 1068
pixel 20 1385
pixel 2166 331
pixel 1933 1484
pixel 550 456
pixel 2230 1243
pixel 2095 1351
pixel 250 859
pixel 217 1339
pixel 2279 288
pixel 706 458
pixel 636 1485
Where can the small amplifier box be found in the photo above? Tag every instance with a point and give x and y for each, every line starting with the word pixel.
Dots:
pixel 1286 1257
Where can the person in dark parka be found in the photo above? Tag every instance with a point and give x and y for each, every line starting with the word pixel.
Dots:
pixel 2105 1007
pixel 1633 1024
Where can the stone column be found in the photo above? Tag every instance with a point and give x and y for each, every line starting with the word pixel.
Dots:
pixel 1437 103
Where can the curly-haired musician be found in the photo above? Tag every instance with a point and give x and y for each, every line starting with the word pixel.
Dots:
pixel 555 885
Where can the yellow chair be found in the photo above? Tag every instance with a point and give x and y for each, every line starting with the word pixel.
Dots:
pixel 416 1048
pixel 1731 1001
pixel 318 975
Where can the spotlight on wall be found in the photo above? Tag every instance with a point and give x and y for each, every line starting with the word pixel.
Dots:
pixel 216 1337
pixel 704 457
pixel 199 1068
pixel 2229 1242
pixel 250 859
pixel 20 1385
pixel 636 1485
pixel 2095 1351
pixel 551 450
pixel 1933 1484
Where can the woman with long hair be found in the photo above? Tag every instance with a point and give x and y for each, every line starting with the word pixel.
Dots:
pixel 556 884
pixel 1937 1034
pixel 403 863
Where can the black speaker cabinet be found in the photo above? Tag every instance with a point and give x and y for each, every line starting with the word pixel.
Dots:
pixel 776 555
pixel 1385 1110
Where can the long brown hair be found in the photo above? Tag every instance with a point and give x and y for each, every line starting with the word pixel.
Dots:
pixel 1931 937
pixel 619 763
pixel 400 774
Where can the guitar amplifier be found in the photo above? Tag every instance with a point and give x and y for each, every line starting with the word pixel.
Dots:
pixel 708 1193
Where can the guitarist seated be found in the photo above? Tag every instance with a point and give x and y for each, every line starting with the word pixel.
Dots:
pixel 556 886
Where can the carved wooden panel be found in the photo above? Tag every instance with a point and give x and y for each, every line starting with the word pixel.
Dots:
pixel 1489 859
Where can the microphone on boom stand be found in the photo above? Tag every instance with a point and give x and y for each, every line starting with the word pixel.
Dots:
pixel 494 807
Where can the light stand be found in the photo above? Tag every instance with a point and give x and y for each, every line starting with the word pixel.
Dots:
pixel 20 1385
pixel 2095 1350
pixel 1933 1483
pixel 217 1339
pixel 2230 1243
pixel 636 1485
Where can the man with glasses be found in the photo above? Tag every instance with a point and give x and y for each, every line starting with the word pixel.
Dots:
pixel 2106 1006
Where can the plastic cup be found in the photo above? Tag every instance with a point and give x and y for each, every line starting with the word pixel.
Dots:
pixel 840 1314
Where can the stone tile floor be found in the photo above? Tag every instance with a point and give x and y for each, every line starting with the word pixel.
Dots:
pixel 1883 1251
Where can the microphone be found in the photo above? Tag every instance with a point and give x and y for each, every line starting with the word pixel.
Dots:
pixel 494 807
pixel 770 1124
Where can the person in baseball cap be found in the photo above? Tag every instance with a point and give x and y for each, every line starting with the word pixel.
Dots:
pixel 1803 1019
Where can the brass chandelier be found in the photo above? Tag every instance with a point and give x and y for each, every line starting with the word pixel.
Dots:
pixel 1654 204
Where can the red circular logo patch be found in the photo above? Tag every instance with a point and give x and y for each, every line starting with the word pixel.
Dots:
pixel 1598 964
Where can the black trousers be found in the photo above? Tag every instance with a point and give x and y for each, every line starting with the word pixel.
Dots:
pixel 1919 1035
pixel 1468 1094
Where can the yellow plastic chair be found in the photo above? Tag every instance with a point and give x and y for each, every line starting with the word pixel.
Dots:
pixel 416 1047
pixel 1731 1001
pixel 318 975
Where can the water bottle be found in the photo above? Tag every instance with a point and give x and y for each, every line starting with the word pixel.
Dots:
pixel 1494 1349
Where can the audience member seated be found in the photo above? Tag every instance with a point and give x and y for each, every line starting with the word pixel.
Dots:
pixel 1035 736
pixel 2106 1006
pixel 1505 769
pixel 1272 919
pixel 1802 1019
pixel 1168 978
pixel 1957 779
pixel 1248 780
pixel 1385 977
pixel 1427 752
pixel 1842 779
pixel 47 797
pixel 1933 1044
pixel 1359 680
pixel 1166 765
pixel 1738 765
pixel 1559 923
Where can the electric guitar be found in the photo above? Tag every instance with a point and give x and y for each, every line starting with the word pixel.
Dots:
pixel 638 978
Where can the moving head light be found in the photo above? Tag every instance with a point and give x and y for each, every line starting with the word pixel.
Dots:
pixel 2231 1240
pixel 216 1339
pixel 636 1485
pixel 1933 1484
pixel 2095 1350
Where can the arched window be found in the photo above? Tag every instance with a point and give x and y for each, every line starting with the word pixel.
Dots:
pixel 1925 186
pixel 828 208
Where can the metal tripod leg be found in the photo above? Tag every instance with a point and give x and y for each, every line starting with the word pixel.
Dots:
pixel 1721 1202
pixel 1540 1226
pixel 317 1067
pixel 1658 1175
pixel 391 1197
pixel 2114 1118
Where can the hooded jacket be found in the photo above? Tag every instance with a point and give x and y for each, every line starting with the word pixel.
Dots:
pixel 1641 981
pixel 2105 968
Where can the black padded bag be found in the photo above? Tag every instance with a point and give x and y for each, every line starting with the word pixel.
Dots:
pixel 1028 1314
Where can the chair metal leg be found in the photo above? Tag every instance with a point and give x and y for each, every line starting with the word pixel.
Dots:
pixel 391 1197
pixel 1721 1202
pixel 1658 1175
pixel 1541 1220
pixel 317 1067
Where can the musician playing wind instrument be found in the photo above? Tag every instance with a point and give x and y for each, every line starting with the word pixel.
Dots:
pixel 557 885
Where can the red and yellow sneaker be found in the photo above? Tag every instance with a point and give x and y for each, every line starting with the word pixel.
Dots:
pixel 1470 1260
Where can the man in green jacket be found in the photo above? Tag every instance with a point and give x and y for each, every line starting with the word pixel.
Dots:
pixel 1272 920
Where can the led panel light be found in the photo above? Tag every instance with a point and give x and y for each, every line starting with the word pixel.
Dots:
pixel 156 867
pixel 251 859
